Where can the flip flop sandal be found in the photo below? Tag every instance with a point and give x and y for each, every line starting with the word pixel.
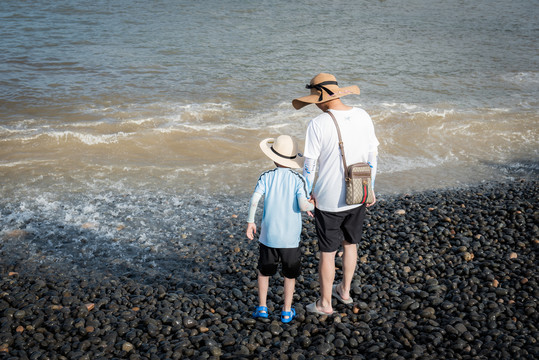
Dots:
pixel 314 309
pixel 261 312
pixel 338 296
pixel 287 316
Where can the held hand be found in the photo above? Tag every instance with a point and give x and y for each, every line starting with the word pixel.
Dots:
pixel 374 200
pixel 251 230
pixel 312 200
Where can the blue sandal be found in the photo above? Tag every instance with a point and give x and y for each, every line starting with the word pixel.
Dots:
pixel 287 316
pixel 261 312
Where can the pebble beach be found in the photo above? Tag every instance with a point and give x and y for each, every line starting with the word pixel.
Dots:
pixel 441 275
pixel 129 148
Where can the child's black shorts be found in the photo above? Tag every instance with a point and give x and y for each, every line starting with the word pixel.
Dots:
pixel 270 258
pixel 332 226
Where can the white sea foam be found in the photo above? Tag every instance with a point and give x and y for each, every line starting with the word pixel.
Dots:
pixel 46 204
pixel 391 164
pixel 20 130
pixel 202 107
pixel 278 126
pixel 522 78
pixel 66 135
pixel 399 106
pixel 200 127
pixel 100 123
pixel 23 163
pixel 89 139
pixel 388 110
pixel 164 116
pixel 5 129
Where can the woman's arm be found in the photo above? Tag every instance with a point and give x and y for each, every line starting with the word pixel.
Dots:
pixel 373 162
pixel 309 170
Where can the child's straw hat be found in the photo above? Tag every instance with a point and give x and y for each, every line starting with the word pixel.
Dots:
pixel 283 150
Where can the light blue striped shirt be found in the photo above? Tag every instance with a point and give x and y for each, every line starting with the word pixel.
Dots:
pixel 283 189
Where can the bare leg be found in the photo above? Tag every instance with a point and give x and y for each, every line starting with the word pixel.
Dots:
pixel 289 285
pixel 263 284
pixel 326 276
pixel 349 268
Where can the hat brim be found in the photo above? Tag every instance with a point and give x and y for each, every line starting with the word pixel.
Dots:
pixel 315 99
pixel 296 163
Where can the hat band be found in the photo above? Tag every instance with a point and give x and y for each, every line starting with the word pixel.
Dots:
pixel 320 87
pixel 281 155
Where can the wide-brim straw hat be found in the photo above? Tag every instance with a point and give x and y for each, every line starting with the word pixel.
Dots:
pixel 283 150
pixel 324 87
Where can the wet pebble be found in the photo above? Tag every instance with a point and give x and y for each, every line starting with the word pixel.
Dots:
pixel 127 346
pixel 445 274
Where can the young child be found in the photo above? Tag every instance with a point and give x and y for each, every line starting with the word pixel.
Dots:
pixel 285 196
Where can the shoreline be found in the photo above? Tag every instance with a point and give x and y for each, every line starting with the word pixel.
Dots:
pixel 441 274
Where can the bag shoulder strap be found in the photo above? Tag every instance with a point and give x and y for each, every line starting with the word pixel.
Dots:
pixel 341 145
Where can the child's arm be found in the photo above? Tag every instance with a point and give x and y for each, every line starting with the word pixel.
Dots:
pixel 251 226
pixel 305 204
pixel 251 230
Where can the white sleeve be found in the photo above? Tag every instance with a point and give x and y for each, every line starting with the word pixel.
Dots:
pixel 309 170
pixel 373 162
pixel 305 205
pixel 252 207
pixel 313 138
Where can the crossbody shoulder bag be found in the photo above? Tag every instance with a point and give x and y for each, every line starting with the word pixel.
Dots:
pixel 356 176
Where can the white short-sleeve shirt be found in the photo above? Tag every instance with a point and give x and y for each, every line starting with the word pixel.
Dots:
pixel 322 144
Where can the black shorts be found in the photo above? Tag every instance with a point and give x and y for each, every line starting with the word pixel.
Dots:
pixel 269 259
pixel 334 227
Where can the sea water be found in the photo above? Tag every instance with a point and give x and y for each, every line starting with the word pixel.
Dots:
pixel 135 100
